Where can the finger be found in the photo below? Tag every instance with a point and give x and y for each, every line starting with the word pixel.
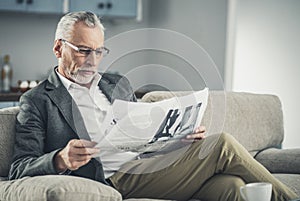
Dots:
pixel 196 136
pixel 90 151
pixel 82 143
pixel 84 151
pixel 200 129
pixel 89 144
pixel 81 158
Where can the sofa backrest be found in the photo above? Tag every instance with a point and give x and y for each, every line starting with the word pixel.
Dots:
pixel 255 120
pixel 7 138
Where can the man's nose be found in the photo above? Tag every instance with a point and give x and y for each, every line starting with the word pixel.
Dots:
pixel 92 59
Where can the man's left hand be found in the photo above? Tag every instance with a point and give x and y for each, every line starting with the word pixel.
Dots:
pixel 198 135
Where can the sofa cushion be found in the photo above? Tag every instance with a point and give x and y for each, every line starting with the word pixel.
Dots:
pixel 280 160
pixel 57 188
pixel 255 120
pixel 7 137
pixel 146 199
pixel 291 180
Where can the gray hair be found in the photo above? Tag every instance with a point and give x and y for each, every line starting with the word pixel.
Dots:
pixel 65 25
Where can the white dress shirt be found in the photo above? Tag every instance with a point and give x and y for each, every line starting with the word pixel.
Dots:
pixel 93 106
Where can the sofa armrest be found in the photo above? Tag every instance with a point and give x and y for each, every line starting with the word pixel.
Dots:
pixel 280 160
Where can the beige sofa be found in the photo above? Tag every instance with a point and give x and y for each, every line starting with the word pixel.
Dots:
pixel 256 121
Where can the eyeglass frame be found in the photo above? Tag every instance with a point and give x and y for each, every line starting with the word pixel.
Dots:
pixel 87 51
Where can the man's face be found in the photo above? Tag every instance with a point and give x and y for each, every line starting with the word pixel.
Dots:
pixel 77 66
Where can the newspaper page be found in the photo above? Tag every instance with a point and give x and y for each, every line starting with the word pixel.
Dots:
pixel 142 127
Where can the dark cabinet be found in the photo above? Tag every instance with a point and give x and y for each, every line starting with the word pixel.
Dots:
pixel 110 8
pixel 33 6
pixel 107 8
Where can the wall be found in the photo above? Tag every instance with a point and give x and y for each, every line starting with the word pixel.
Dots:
pixel 204 22
pixel 266 58
pixel 29 39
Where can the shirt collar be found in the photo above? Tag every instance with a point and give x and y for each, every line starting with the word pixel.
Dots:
pixel 68 83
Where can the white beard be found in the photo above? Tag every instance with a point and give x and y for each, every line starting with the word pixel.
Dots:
pixel 81 78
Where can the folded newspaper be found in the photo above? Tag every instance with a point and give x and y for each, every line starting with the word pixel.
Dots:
pixel 148 127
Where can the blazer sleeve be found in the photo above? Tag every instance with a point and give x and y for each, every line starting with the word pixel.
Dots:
pixel 29 158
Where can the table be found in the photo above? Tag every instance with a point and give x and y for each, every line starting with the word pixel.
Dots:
pixel 10 96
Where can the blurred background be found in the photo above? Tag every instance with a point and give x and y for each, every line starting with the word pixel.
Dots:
pixel 248 45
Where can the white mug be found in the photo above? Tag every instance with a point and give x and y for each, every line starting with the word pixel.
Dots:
pixel 260 191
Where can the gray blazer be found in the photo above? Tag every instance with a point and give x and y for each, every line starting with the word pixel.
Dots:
pixel 49 119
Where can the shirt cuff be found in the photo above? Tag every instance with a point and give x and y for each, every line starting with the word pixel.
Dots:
pixel 66 172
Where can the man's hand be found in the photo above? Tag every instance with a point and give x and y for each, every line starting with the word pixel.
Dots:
pixel 76 154
pixel 198 135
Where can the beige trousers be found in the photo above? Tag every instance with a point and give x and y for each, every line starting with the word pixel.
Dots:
pixel 195 172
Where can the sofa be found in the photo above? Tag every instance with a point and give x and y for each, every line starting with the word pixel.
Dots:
pixel 255 120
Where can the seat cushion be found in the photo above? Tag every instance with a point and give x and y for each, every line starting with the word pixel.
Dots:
pixel 57 188
pixel 291 180
pixel 145 199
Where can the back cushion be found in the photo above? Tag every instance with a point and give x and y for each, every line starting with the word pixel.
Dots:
pixel 7 138
pixel 255 120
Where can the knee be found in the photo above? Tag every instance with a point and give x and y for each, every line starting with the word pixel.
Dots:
pixel 225 138
pixel 235 183
pixel 232 191
pixel 226 143
pixel 221 187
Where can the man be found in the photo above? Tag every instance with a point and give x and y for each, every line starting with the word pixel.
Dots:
pixel 59 119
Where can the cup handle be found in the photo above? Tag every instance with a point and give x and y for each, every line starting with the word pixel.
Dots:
pixel 242 191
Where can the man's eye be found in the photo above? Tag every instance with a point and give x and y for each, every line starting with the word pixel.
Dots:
pixel 85 51
pixel 98 52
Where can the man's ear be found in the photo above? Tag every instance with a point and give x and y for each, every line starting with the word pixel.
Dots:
pixel 57 48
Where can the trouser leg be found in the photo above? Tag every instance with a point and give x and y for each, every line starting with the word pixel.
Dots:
pixel 184 177
pixel 220 187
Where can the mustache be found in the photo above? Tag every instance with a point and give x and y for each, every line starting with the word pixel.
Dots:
pixel 92 69
pixel 77 71
pixel 88 69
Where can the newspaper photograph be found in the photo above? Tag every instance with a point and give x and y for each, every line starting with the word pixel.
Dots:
pixel 142 127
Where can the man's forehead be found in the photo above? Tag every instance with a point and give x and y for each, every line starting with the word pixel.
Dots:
pixel 84 34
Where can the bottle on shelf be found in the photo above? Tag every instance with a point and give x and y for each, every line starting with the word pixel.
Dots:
pixel 6 74
pixel 0 76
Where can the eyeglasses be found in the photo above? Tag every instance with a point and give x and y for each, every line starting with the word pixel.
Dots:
pixel 85 51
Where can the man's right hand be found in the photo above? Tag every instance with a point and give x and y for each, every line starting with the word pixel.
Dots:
pixel 76 154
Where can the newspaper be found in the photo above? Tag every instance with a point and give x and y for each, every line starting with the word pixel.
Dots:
pixel 148 127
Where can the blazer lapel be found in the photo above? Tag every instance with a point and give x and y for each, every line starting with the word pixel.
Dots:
pixel 65 103
pixel 115 87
